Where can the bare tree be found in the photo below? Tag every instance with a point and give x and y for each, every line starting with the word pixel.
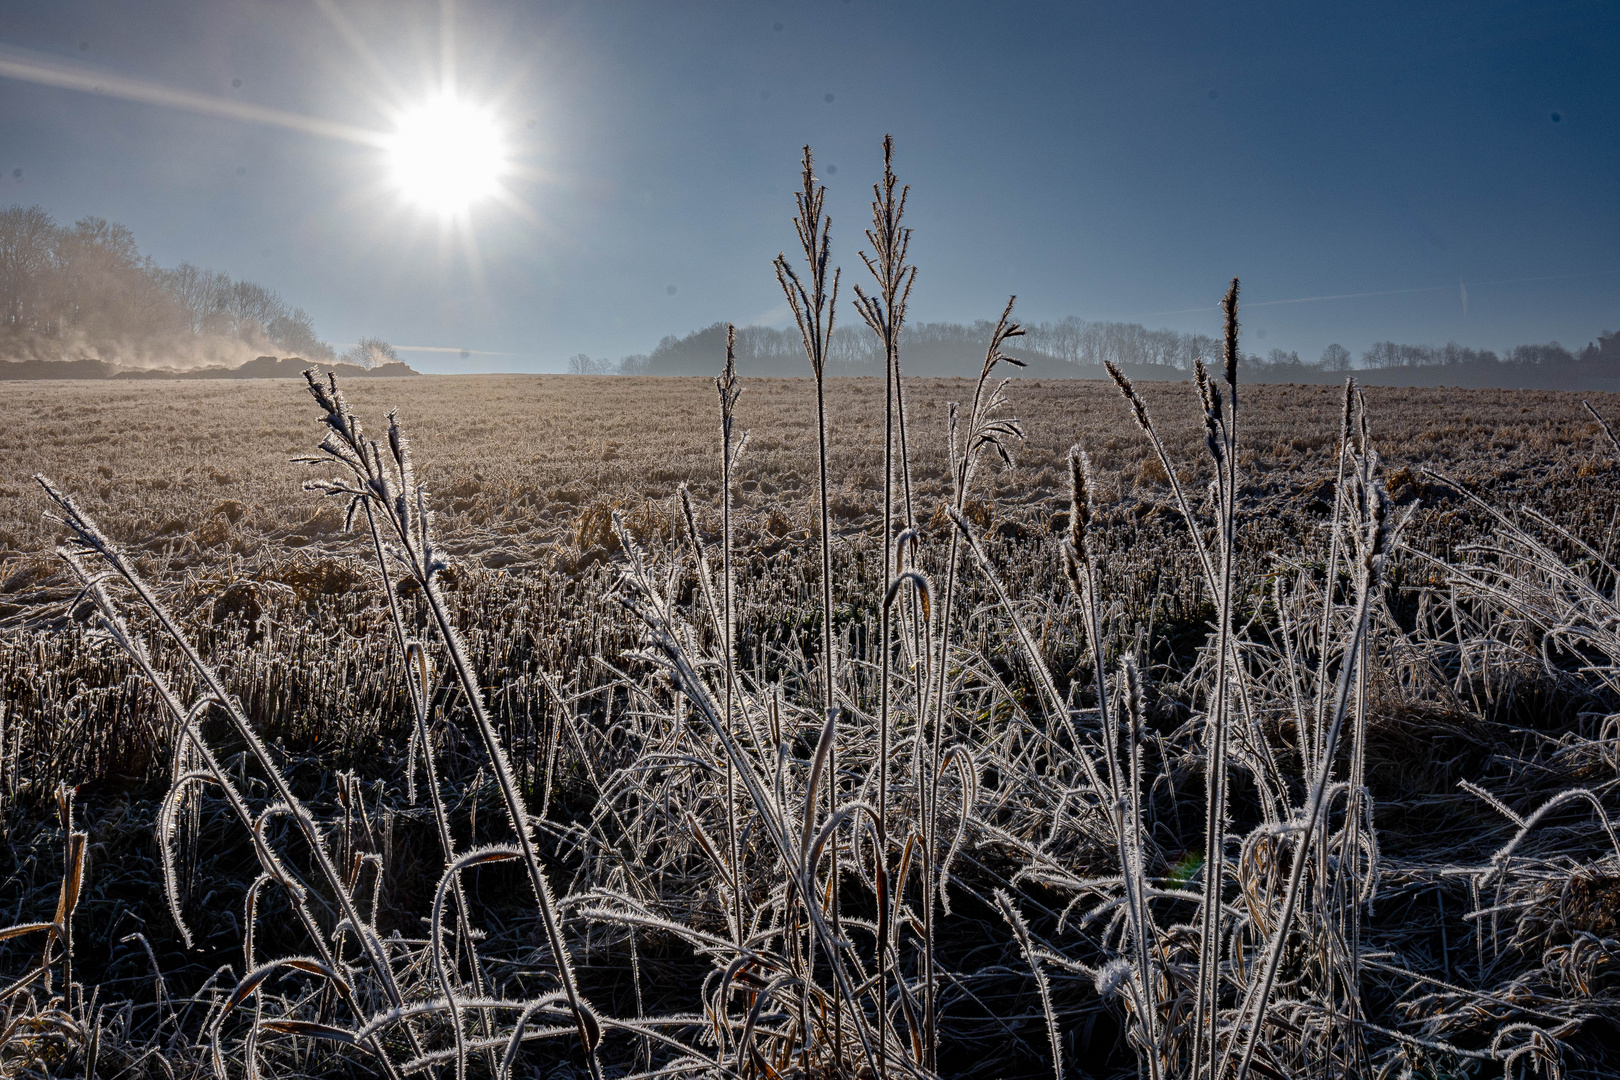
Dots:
pixel 582 364
pixel 295 332
pixel 204 294
pixel 27 241
pixel 1335 358
pixel 371 352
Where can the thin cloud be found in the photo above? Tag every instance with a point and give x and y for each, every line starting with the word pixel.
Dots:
pixel 440 349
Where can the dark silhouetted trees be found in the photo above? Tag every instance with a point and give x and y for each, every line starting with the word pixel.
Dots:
pixel 1388 354
pixel 938 348
pixel 1335 358
pixel 1077 347
pixel 1551 354
pixel 1604 351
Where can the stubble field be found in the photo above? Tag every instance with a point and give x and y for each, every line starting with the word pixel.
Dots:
pixel 1484 659
pixel 199 477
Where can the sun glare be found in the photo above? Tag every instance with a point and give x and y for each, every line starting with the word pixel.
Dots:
pixel 446 155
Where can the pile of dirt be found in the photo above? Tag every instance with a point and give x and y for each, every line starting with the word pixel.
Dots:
pixel 261 367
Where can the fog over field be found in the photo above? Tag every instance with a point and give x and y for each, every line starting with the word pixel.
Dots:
pixel 495 583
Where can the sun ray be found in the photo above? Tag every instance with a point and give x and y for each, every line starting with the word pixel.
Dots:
pixel 447 45
pixel 469 250
pixel 507 198
pixel 361 48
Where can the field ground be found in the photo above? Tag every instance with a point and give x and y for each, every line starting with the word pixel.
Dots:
pixel 195 474
pixel 524 474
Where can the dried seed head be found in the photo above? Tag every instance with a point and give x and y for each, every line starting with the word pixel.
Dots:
pixel 1081 485
pixel 1132 678
pixel 1377 525
pixel 1077 571
pixel 686 508
pixel 1230 306
pixel 1138 409
pixel 726 381
pixel 1346 419
pixel 1208 393
pixel 1210 396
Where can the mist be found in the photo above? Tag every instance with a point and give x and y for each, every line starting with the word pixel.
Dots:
pixel 85 292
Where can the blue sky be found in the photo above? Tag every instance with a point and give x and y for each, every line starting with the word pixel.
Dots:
pixel 1111 161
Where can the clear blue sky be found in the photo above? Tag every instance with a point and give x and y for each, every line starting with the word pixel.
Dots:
pixel 1112 161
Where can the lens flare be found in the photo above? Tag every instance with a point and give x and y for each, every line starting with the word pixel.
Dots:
pixel 446 155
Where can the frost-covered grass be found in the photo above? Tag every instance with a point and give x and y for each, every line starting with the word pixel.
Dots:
pixel 1197 743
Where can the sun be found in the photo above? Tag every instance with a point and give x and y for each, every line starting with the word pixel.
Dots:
pixel 446 155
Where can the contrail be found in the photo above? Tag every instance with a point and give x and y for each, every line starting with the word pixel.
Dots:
pixel 1347 296
pixel 441 349
pixel 47 71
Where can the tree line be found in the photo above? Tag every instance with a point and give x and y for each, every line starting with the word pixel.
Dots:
pixel 933 348
pixel 1075 346
pixel 65 289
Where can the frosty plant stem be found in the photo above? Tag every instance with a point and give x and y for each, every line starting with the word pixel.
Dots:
pixel 730 390
pixel 403 504
pixel 885 313
pixel 1373 535
pixel 1221 436
pixel 418 673
pixel 95 542
pixel 814 310
pixel 986 429
pixel 1124 810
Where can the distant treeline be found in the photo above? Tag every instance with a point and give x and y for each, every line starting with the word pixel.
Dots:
pixel 938 348
pixel 1077 348
pixel 85 292
pixel 1389 363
